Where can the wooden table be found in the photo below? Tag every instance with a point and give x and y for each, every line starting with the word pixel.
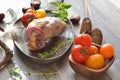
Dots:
pixel 104 15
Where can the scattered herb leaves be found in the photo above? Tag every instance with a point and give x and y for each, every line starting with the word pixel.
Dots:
pixel 61 10
pixel 16 70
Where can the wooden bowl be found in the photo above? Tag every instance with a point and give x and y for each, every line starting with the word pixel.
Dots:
pixel 88 72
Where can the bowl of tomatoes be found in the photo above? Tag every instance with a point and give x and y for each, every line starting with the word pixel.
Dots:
pixel 89 59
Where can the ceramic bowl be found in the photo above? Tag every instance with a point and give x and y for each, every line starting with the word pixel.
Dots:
pixel 88 72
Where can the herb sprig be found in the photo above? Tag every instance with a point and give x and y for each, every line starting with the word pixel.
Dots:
pixel 16 71
pixel 54 50
pixel 61 10
pixel 51 52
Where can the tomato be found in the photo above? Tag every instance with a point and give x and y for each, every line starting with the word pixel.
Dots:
pixel 92 50
pixel 31 11
pixel 83 39
pixel 95 61
pixel 107 50
pixel 27 18
pixel 79 54
pixel 41 13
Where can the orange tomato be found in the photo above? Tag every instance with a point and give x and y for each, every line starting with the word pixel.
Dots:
pixel 31 11
pixel 95 61
pixel 41 13
pixel 92 50
pixel 107 50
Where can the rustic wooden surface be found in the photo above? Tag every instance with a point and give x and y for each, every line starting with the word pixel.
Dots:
pixel 104 14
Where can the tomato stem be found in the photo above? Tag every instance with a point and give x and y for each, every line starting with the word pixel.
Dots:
pixel 84 51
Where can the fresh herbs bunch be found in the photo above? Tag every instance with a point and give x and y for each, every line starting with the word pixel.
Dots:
pixel 61 10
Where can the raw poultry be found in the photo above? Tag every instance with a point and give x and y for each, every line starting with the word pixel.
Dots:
pixel 40 30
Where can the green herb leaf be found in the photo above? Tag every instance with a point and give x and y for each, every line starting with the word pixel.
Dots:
pixel 61 10
pixel 66 6
pixel 15 70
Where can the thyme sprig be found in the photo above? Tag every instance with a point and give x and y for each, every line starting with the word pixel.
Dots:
pixel 54 50
pixel 51 52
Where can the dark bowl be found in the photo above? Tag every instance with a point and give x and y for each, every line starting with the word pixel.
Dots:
pixel 62 43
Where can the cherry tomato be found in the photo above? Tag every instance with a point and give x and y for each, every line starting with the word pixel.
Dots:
pixel 79 53
pixel 83 39
pixel 27 18
pixel 92 50
pixel 41 13
pixel 31 11
pixel 95 61
pixel 107 50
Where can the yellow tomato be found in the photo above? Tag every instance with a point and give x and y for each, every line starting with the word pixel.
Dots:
pixel 41 13
pixel 95 61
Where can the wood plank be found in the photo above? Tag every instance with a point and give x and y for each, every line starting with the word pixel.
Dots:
pixel 105 16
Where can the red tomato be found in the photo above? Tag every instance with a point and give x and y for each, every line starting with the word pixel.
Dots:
pixel 79 53
pixel 27 18
pixel 83 39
